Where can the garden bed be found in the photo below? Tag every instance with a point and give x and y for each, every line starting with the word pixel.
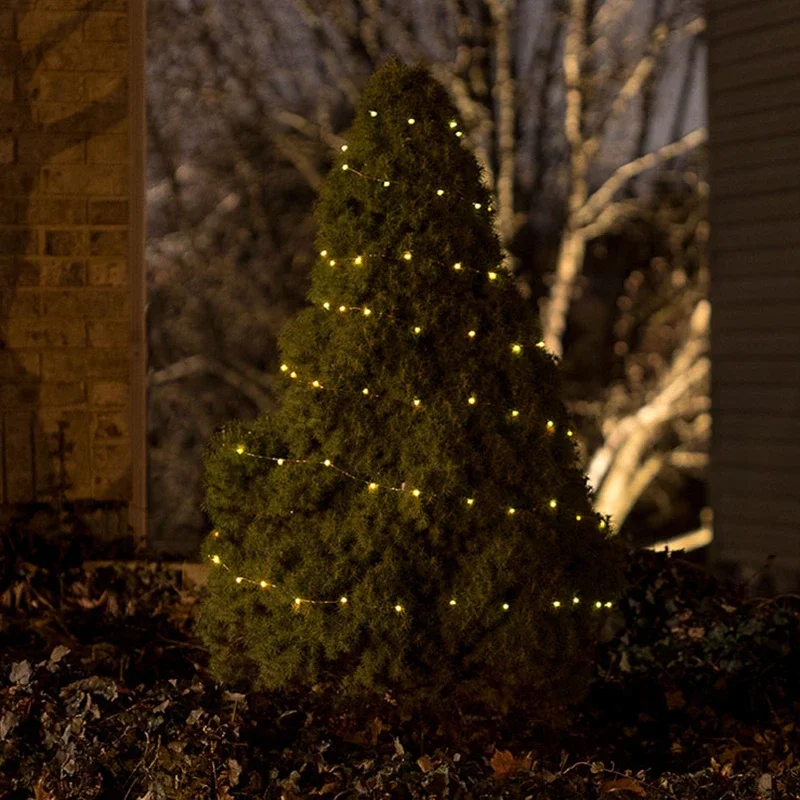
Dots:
pixel 104 693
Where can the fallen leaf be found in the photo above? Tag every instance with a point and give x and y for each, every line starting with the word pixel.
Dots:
pixel 504 764
pixel 425 764
pixel 20 673
pixel 623 785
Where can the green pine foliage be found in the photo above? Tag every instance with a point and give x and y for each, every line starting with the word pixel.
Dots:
pixel 452 516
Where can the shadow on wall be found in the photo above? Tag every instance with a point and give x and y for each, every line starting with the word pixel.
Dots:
pixel 57 331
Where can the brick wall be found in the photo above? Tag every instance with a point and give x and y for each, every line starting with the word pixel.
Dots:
pixel 65 278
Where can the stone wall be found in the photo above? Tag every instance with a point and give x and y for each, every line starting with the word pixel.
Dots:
pixel 65 298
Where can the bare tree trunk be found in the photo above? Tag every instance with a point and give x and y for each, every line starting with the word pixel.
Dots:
pixel 570 262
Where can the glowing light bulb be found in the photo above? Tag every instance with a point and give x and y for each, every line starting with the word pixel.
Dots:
pixel 492 276
pixel 550 424
pixel 386 184
pixel 373 113
pixel 417 330
pixel 293 375
pixel 327 462
pixel 515 413
pixel 470 501
pixel 440 192
pixel 284 368
pixel 505 606
pixel 345 167
pixel 215 534
pixel 556 604
pixel 472 400
pixel 365 390
pixel 315 384
pixel 358 260
pixel 367 312
pixel 459 134
pixel 342 309
pixel 240 448
pixel 453 123
pixel 343 148
pixel 553 504
pixel 569 433
pixel 416 492
pixel 239 579
pixel 516 349
pixel 511 511
pixel 578 517
pixel 452 602
pixel 332 262
pixel 477 206
pixel 216 559
pixel 540 344
pixel 398 608
pixel 407 255
pixel 471 334
pixel 411 120
pixel 602 525
pixel 608 604
pixel 263 584
pixel 343 600
pixel 326 305
pixel 297 601
pixel 323 253
pixel 598 604
pixel 280 462
pixel 372 487
pixel 457 266
pixel 576 600
pixel 417 402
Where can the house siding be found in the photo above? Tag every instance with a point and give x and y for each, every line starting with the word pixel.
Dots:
pixel 70 371
pixel 754 141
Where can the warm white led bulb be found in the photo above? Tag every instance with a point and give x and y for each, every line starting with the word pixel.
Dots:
pixel 373 113
pixel 472 401
pixel 453 123
pixel 416 492
pixel 470 501
pixel 297 601
pixel 280 462
pixel 398 608
pixel 492 276
pixel 556 603
pixel 578 517
pixel 516 349
pixel 569 433
pixel 608 604
pixel 387 183
pixel 239 579
pixel 315 384
pixel 550 424
pixel 342 309
pixel 323 253
pixel 343 148
pixel 440 192
pixel 358 260
pixel 367 312
pixel 284 368
pixel 345 167
pixel 553 504
pixel 343 600
pixel 602 524
pixel 477 206
pixel 215 559
pixel 417 330
pixel 365 390
pixel 327 462
pixel 332 262
pixel 512 511
pixel 215 534
pixel 471 334
pixel 411 120
pixel 457 266
pixel 515 413
pixel 459 134
pixel 452 602
pixel 293 375
pixel 263 584
pixel 407 255
pixel 598 604
pixel 417 402
pixel 576 600
pixel 326 305
pixel 240 448
pixel 540 344
pixel 373 486
pixel 505 606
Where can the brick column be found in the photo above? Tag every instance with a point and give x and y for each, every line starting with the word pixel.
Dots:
pixel 65 285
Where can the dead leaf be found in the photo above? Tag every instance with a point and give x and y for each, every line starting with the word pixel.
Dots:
pixel 424 763
pixel 623 785
pixel 376 728
pixel 504 764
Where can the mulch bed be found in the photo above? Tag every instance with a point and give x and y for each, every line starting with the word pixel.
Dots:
pixel 104 693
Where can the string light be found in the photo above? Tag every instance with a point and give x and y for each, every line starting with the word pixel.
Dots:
pixel 327 462
pixel 515 413
pixel 239 579
pixel 416 492
pixel 373 113
pixel 407 255
pixel 343 148
pixel 373 487
pixel 326 305
pixel 345 167
pixel 332 262
pixel 293 375
pixel 550 425
pixel 492 276
pixel 578 517
pixel 399 609
pixel 598 604
pixel 470 501
pixel 411 120
pixel 367 312
pixel 417 330
pixel 511 511
pixel 516 349
pixel 358 260
pixel 471 334
pixel 556 604
pixel 553 503
pixel 216 559
pixel 387 184
pixel 280 462
pixel 505 606
pixel 575 600
pixel 365 390
pixel 459 134
pixel 453 123
pixel 343 600
pixel 440 192
pixel 457 266
pixel 452 602
pixel 284 368
pixel 417 402
pixel 472 400
pixel 477 206
pixel 240 448
pixel 323 253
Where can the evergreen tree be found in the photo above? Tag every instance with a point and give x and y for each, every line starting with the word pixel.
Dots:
pixel 412 518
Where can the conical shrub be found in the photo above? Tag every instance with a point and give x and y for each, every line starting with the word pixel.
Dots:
pixel 412 518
